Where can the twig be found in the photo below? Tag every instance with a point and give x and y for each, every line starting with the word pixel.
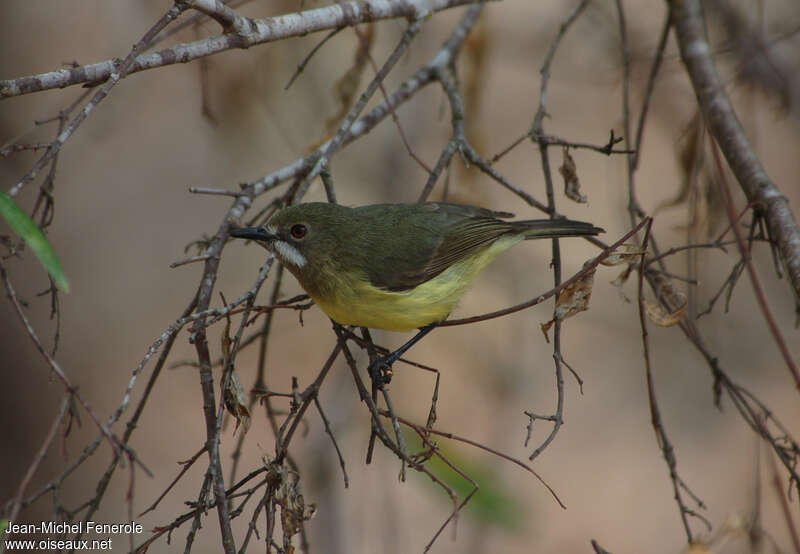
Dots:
pixel 401 442
pixel 759 292
pixel 37 460
pixel 327 150
pixel 376 383
pixel 328 430
pixel 213 191
pixel 784 503
pixel 187 261
pixel 302 65
pixel 541 111
pixel 395 119
pixel 284 437
pixel 655 416
pixel 194 19
pixel 227 18
pixel 422 430
pixel 606 149
pixel 650 87
pixel 457 508
pixel 574 374
pixel 260 389
pixel 185 465
pixel 56 368
pixel 363 394
pixel 447 78
pixel 6 151
pixel 441 164
pixel 116 71
pixel 676 249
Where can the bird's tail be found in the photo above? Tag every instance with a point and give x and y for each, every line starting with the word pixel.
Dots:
pixel 554 228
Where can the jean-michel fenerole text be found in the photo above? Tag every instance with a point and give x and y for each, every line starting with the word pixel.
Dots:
pixel 80 527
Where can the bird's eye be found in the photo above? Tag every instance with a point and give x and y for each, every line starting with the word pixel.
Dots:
pixel 299 231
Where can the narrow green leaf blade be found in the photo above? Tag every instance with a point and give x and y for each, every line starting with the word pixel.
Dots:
pixel 33 237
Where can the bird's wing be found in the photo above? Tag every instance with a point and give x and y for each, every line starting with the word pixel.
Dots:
pixel 455 233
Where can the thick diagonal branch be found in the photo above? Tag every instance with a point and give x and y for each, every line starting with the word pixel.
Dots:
pixel 727 130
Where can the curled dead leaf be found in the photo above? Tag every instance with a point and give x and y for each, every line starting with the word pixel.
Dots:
pixel 236 403
pixel 572 299
pixel 294 510
pixel 622 278
pixel 572 185
pixel 627 254
pixel 233 393
pixel 660 316
pixel 675 301
pixel 630 255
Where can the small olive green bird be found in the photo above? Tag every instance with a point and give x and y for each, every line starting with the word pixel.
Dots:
pixel 394 266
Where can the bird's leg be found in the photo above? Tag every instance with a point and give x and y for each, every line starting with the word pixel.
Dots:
pixel 380 369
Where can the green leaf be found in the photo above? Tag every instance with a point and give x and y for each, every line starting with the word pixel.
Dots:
pixel 3 525
pixel 33 237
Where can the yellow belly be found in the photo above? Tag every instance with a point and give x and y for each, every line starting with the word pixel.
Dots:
pixel 431 302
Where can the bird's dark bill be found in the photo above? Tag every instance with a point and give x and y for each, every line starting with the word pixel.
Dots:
pixel 253 233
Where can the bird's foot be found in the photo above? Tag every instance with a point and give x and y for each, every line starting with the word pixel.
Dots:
pixel 380 370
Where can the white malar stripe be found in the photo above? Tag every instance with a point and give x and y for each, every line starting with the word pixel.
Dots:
pixel 288 253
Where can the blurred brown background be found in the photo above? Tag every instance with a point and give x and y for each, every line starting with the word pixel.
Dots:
pixel 123 214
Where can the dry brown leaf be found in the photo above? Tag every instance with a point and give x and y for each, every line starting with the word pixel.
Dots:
pixel 667 293
pixel 546 329
pixel 236 403
pixel 629 254
pixel 622 278
pixel 233 394
pixel 294 511
pixel 690 161
pixel 699 187
pixel 571 300
pixel 660 316
pixel 572 186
